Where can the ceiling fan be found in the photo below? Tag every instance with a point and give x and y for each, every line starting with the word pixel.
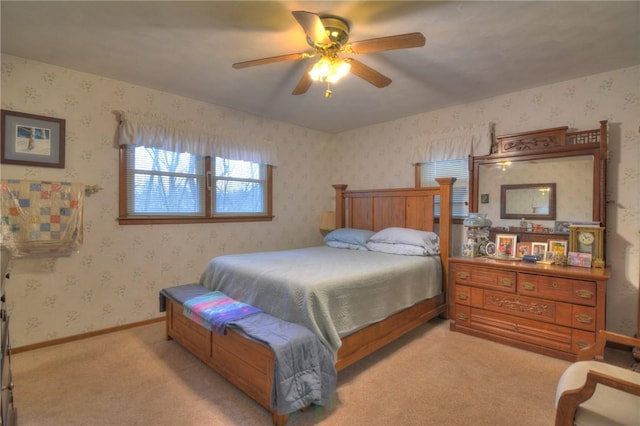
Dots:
pixel 328 36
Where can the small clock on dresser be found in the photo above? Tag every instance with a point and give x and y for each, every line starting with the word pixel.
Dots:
pixel 588 239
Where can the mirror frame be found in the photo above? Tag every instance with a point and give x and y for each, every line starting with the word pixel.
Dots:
pixel 549 143
pixel 551 215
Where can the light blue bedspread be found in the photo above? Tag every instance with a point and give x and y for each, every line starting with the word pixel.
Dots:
pixel 332 292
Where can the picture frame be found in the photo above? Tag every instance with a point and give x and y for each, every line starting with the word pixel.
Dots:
pixel 506 245
pixel 579 259
pixel 491 248
pixel 32 140
pixel 539 250
pixel 549 256
pixel 558 246
pixel 588 239
pixel 523 249
pixel 561 227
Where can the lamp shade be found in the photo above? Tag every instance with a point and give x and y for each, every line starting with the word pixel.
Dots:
pixel 328 222
pixel 329 70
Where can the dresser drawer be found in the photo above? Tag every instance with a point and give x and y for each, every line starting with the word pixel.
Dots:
pixel 522 329
pixel 581 339
pixel 584 317
pixel 528 307
pixel 462 314
pixel 462 294
pixel 564 289
pixel 485 277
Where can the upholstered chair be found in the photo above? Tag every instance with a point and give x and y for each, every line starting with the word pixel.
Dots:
pixel 593 392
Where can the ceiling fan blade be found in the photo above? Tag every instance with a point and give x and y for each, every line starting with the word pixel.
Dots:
pixel 264 61
pixel 312 26
pixel 369 74
pixel 400 41
pixel 304 83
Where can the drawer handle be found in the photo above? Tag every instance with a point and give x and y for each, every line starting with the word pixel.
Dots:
pixel 506 282
pixel 585 319
pixel 554 284
pixel 528 286
pixel 463 296
pixel 463 275
pixel 585 294
pixel 582 344
pixel 463 317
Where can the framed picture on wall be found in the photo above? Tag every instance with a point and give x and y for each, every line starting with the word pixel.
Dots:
pixel 32 140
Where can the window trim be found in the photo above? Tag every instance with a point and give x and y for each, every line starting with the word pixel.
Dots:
pixel 124 219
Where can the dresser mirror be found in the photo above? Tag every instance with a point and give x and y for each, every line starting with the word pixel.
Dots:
pixel 574 162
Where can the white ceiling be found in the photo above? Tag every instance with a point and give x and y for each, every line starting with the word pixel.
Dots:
pixel 474 50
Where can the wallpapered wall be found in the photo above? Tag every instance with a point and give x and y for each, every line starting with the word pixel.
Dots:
pixel 378 156
pixel 116 276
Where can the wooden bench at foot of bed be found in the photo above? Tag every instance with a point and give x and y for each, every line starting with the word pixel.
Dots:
pixel 247 364
pixel 250 365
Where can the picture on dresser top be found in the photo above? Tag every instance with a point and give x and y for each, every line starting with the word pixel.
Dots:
pixel 506 245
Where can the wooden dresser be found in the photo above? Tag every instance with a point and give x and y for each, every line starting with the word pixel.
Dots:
pixel 550 309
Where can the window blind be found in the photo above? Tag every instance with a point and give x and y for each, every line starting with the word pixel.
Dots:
pixel 458 169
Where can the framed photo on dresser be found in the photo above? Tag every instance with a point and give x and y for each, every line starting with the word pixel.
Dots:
pixel 579 259
pixel 506 245
pixel 523 249
pixel 559 247
pixel 539 250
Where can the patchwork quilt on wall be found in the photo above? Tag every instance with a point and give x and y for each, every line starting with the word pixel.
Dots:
pixel 41 218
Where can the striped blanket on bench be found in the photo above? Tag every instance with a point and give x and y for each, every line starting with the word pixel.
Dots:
pixel 215 310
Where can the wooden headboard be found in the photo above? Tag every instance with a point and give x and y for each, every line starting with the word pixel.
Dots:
pixel 403 207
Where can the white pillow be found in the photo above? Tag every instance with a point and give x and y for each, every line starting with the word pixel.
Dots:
pixel 404 249
pixel 429 241
pixel 341 245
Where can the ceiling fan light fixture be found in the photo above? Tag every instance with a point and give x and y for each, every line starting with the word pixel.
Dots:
pixel 337 29
pixel 328 35
pixel 329 70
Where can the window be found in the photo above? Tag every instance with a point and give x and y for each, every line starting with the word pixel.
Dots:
pixel 160 186
pixel 240 187
pixel 458 169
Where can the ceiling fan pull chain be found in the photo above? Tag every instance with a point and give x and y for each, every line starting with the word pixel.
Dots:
pixel 328 92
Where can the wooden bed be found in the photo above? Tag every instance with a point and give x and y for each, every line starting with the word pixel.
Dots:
pixel 250 365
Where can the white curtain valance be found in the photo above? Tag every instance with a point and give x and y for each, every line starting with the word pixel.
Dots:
pixel 181 136
pixel 454 143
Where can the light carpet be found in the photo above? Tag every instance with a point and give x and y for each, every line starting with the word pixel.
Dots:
pixel 431 376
